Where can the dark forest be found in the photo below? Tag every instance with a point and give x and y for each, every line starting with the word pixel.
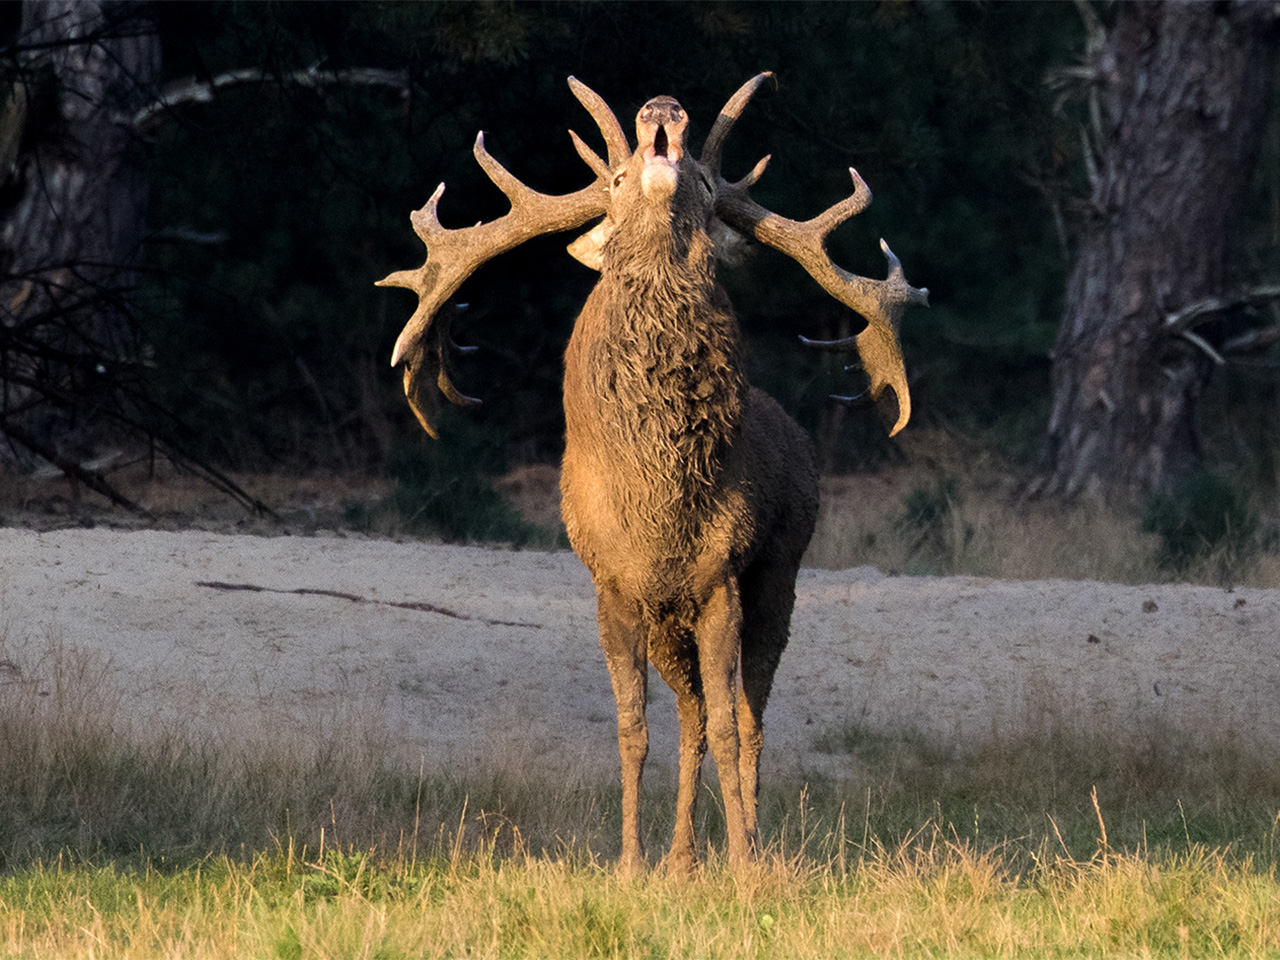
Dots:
pixel 260 160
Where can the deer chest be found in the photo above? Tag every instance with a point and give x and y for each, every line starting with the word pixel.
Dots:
pixel 665 392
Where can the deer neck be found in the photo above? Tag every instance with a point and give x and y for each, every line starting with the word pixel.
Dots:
pixel 658 361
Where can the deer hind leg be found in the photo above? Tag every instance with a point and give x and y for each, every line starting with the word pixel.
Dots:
pixel 672 651
pixel 768 595
pixel 623 639
pixel 718 634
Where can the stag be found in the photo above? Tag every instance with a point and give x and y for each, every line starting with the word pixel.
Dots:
pixel 689 495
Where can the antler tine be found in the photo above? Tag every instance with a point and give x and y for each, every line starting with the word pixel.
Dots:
pixel 614 137
pixel 756 173
pixel 590 157
pixel 880 302
pixel 453 255
pixel 728 117
pixel 436 354
pixel 500 176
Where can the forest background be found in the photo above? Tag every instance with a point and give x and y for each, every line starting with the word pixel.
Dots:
pixel 282 146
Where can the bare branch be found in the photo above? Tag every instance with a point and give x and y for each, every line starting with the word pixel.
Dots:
pixel 1194 314
pixel 92 479
pixel 191 90
pixel 1203 345
pixel 1259 339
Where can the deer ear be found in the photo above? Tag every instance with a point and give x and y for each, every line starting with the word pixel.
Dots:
pixel 731 246
pixel 588 249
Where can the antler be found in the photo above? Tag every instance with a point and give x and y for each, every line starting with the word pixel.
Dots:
pixel 880 302
pixel 453 255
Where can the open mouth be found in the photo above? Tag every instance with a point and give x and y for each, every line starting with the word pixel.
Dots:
pixel 662 148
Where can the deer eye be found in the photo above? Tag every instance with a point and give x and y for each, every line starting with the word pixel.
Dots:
pixel 617 180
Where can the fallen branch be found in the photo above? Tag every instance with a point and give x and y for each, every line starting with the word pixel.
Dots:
pixel 356 598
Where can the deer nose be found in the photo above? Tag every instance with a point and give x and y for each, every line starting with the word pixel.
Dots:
pixel 660 125
pixel 661 111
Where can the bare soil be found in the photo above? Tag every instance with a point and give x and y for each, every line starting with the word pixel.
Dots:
pixel 460 654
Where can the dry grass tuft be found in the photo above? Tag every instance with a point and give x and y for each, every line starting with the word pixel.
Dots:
pixel 960 527
pixel 952 508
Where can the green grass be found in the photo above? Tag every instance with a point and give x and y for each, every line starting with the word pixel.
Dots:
pixel 935 893
pixel 123 842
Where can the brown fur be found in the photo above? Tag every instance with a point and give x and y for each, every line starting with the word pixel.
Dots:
pixel 689 495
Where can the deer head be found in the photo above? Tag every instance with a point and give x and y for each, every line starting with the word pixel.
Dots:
pixel 673 186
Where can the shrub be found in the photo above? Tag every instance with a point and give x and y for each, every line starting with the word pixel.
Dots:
pixel 937 534
pixel 445 489
pixel 1201 513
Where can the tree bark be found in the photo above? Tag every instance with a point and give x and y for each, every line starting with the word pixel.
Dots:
pixel 72 212
pixel 1183 91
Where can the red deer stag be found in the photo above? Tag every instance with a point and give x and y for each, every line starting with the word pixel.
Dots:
pixel 689 495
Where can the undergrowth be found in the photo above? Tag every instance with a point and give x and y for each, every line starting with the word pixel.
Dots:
pixel 446 490
pixel 948 506
pixel 957 508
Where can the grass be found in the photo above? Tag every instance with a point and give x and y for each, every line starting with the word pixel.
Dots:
pixel 126 842
pixel 938 895
pixel 123 841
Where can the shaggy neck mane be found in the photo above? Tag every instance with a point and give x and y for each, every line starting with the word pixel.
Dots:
pixel 674 360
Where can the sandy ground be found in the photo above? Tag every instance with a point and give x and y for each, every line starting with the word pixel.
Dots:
pixel 459 653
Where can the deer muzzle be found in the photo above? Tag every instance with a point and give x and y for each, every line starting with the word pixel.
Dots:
pixel 660 128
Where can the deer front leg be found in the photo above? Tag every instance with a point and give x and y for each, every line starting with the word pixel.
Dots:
pixel 624 644
pixel 673 652
pixel 718 633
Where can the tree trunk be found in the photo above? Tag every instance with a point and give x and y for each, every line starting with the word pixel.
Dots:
pixel 72 211
pixel 1183 96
